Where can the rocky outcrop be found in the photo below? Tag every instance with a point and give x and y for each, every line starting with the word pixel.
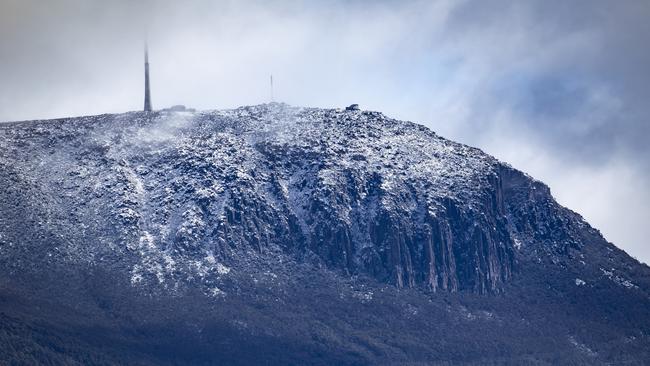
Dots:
pixel 170 193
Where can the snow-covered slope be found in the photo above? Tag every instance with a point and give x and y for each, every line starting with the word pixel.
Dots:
pixel 208 201
pixel 180 193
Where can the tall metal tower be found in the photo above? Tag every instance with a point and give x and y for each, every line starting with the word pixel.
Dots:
pixel 147 92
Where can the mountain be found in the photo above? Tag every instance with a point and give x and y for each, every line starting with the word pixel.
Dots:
pixel 280 235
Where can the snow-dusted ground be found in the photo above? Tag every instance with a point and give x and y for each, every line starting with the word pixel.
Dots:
pixel 172 195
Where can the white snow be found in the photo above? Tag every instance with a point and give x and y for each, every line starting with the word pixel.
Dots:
pixel 581 347
pixel 216 292
pixel 221 269
pixel 618 279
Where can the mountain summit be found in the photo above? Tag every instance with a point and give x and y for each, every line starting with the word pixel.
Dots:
pixel 283 235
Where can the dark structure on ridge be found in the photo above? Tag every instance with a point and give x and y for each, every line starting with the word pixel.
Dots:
pixel 147 92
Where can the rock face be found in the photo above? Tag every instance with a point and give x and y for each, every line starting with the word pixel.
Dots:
pixel 359 192
pixel 176 202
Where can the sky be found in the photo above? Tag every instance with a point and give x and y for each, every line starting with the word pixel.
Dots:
pixel 559 90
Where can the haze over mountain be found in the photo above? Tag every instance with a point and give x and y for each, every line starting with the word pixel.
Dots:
pixel 290 235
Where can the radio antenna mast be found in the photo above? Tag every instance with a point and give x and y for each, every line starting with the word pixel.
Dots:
pixel 147 92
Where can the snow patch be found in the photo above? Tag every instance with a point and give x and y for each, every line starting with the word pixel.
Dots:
pixel 618 279
pixel 363 296
pixel 216 292
pixel 222 270
pixel 210 259
pixel 582 347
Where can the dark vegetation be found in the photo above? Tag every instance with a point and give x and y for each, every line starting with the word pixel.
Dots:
pixel 87 317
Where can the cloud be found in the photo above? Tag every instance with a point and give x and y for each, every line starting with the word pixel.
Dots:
pixel 558 89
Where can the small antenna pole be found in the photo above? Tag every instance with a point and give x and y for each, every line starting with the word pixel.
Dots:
pixel 272 98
